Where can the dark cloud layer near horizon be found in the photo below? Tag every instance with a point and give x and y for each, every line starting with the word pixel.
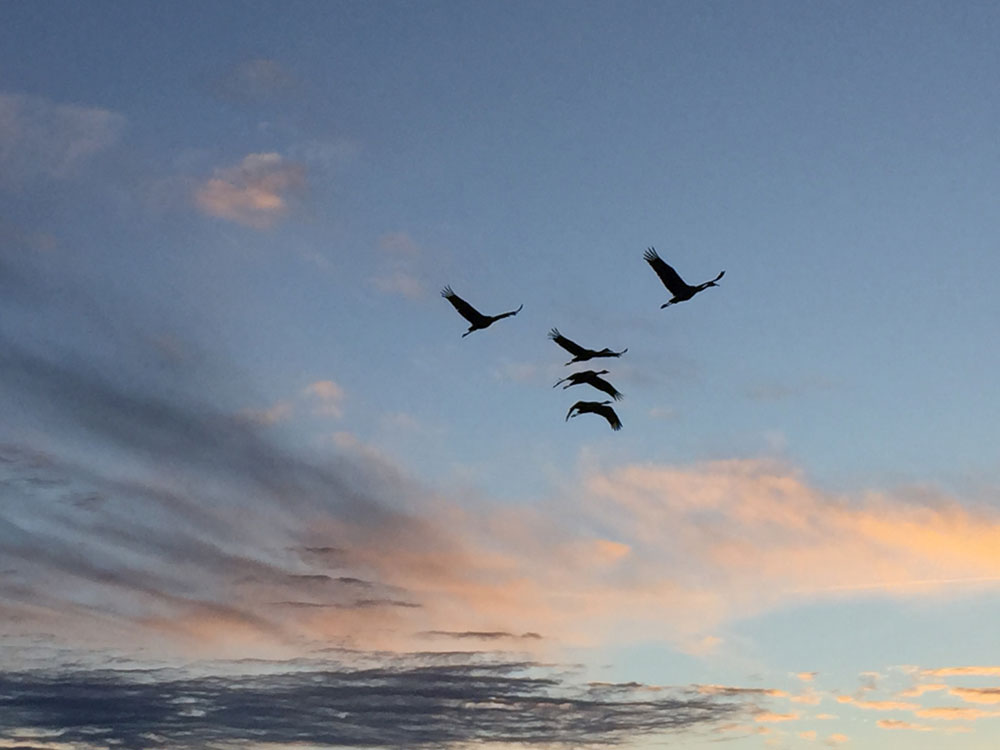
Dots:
pixel 392 706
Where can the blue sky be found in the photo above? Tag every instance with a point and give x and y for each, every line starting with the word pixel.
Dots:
pixel 244 440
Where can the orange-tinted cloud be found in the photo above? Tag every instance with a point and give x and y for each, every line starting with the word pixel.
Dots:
pixel 911 727
pixel 877 705
pixel 897 724
pixel 809 697
pixel 917 690
pixel 977 695
pixel 253 193
pixel 768 717
pixel 955 713
pixel 971 671
pixel 805 543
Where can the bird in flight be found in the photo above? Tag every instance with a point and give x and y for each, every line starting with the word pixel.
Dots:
pixel 673 282
pixel 595 407
pixel 471 314
pixel 591 378
pixel 579 353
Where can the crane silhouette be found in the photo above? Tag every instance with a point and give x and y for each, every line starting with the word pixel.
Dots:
pixel 673 282
pixel 579 353
pixel 595 407
pixel 591 378
pixel 471 314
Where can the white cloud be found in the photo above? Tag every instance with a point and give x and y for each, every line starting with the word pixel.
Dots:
pixel 43 140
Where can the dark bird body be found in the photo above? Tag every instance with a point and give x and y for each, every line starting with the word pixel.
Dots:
pixel 591 378
pixel 477 319
pixel 579 353
pixel 595 407
pixel 673 282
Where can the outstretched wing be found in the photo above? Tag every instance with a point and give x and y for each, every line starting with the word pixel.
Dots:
pixel 571 346
pixel 501 316
pixel 466 310
pixel 603 385
pixel 671 280
pixel 609 414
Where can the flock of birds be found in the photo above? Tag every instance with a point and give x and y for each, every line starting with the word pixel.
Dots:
pixel 681 292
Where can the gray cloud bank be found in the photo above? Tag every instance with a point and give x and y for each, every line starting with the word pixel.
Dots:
pixel 417 707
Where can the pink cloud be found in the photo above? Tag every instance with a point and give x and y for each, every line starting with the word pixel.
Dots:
pixel 253 193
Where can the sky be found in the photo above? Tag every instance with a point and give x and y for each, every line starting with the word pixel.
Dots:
pixel 259 492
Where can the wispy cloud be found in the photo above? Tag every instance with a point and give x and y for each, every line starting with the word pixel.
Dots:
pixel 917 690
pixel 783 391
pixel 278 412
pixel 254 193
pixel 327 396
pixel 769 717
pixel 968 671
pixel 955 713
pixel 906 725
pixel 45 140
pixel 877 705
pixel 397 267
pixel 478 635
pixel 253 80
